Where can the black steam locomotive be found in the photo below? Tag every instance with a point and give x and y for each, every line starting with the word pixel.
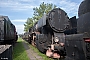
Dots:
pixel 8 34
pixel 58 35
pixel 78 45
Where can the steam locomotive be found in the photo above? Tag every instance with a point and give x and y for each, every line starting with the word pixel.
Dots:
pixel 8 34
pixel 78 45
pixel 58 36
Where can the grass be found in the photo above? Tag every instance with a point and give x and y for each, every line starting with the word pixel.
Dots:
pixel 19 52
pixel 39 53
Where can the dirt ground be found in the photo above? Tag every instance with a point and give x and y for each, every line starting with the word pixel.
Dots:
pixel 31 54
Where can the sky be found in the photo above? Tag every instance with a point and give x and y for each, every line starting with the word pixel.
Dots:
pixel 19 10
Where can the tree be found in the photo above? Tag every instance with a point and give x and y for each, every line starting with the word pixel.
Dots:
pixel 38 13
pixel 43 9
pixel 28 24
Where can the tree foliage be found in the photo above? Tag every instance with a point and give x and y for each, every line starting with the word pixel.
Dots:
pixel 38 13
pixel 44 8
pixel 28 24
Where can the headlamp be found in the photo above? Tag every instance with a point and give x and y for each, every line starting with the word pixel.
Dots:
pixel 56 39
